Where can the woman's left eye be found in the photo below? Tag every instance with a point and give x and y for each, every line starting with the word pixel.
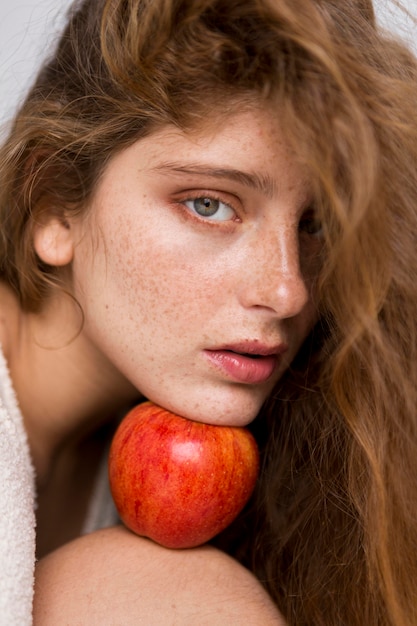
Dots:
pixel 210 208
pixel 311 224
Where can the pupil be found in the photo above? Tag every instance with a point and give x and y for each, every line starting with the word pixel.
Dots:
pixel 206 206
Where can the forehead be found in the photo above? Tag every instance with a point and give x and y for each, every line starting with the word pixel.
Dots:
pixel 245 150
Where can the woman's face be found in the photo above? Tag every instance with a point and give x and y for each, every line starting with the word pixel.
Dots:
pixel 196 263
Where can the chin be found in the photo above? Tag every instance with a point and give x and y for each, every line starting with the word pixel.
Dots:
pixel 232 407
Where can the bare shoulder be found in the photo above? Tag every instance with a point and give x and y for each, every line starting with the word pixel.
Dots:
pixel 113 577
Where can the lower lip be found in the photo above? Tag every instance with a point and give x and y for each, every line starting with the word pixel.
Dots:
pixel 243 369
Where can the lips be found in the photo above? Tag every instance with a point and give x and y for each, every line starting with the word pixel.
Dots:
pixel 246 363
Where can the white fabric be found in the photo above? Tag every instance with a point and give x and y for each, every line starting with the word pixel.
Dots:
pixel 17 505
pixel 17 509
pixel 102 511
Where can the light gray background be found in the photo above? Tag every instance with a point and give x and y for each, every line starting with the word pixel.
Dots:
pixel 28 29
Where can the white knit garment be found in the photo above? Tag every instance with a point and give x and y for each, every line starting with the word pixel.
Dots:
pixel 17 510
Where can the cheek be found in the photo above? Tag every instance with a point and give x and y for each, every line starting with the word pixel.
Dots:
pixel 311 267
pixel 156 275
pixel 306 323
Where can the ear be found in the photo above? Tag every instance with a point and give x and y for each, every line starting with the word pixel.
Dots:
pixel 53 240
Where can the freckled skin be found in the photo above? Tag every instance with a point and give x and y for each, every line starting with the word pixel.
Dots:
pixel 159 285
pixel 176 481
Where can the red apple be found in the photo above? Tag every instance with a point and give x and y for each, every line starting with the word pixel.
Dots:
pixel 177 481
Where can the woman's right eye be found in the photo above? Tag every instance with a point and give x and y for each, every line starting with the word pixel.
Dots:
pixel 210 208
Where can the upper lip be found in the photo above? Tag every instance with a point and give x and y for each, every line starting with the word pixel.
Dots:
pixel 255 348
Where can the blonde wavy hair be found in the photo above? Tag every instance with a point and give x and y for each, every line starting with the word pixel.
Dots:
pixel 331 531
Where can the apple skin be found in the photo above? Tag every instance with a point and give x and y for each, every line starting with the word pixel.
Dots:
pixel 176 481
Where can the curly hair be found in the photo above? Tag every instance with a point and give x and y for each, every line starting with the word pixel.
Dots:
pixel 331 530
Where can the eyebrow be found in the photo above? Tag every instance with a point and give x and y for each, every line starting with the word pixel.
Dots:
pixel 264 184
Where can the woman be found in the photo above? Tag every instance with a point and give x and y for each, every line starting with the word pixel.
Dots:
pixel 211 204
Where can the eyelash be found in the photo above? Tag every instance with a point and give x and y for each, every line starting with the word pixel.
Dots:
pixel 308 220
pixel 309 224
pixel 210 197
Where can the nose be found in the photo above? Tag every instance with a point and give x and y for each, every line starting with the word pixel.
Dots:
pixel 272 278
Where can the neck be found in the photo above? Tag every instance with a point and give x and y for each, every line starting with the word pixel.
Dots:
pixel 66 388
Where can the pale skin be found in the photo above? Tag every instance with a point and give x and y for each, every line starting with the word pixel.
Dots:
pixel 113 577
pixel 192 242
